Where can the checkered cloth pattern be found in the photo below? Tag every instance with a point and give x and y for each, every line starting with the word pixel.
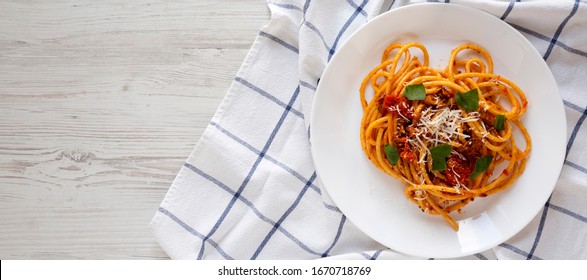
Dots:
pixel 249 189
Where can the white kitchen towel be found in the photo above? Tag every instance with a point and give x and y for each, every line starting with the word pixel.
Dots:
pixel 249 189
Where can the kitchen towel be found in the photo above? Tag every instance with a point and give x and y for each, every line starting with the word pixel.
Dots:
pixel 249 189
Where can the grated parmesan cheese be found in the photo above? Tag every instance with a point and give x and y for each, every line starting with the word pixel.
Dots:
pixel 440 126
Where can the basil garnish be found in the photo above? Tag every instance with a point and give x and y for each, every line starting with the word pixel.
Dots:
pixel 468 100
pixel 415 92
pixel 392 154
pixel 499 123
pixel 439 155
pixel 481 165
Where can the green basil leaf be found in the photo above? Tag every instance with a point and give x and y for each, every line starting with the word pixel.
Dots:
pixel 468 100
pixel 415 92
pixel 499 123
pixel 481 165
pixel 392 154
pixel 439 155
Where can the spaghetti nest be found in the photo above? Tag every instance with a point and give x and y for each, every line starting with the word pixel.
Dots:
pixel 447 134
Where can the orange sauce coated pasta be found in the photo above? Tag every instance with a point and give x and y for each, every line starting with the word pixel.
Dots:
pixel 447 134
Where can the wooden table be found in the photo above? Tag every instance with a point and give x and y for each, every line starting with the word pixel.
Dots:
pixel 101 102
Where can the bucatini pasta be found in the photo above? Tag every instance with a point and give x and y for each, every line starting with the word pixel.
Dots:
pixel 448 134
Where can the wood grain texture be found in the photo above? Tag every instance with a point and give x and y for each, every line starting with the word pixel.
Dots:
pixel 100 104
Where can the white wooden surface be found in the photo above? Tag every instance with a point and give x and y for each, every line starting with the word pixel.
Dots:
pixel 100 104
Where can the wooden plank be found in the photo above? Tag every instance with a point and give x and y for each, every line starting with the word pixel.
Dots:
pixel 101 102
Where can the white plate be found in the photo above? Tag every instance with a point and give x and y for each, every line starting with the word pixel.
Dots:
pixel 374 201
